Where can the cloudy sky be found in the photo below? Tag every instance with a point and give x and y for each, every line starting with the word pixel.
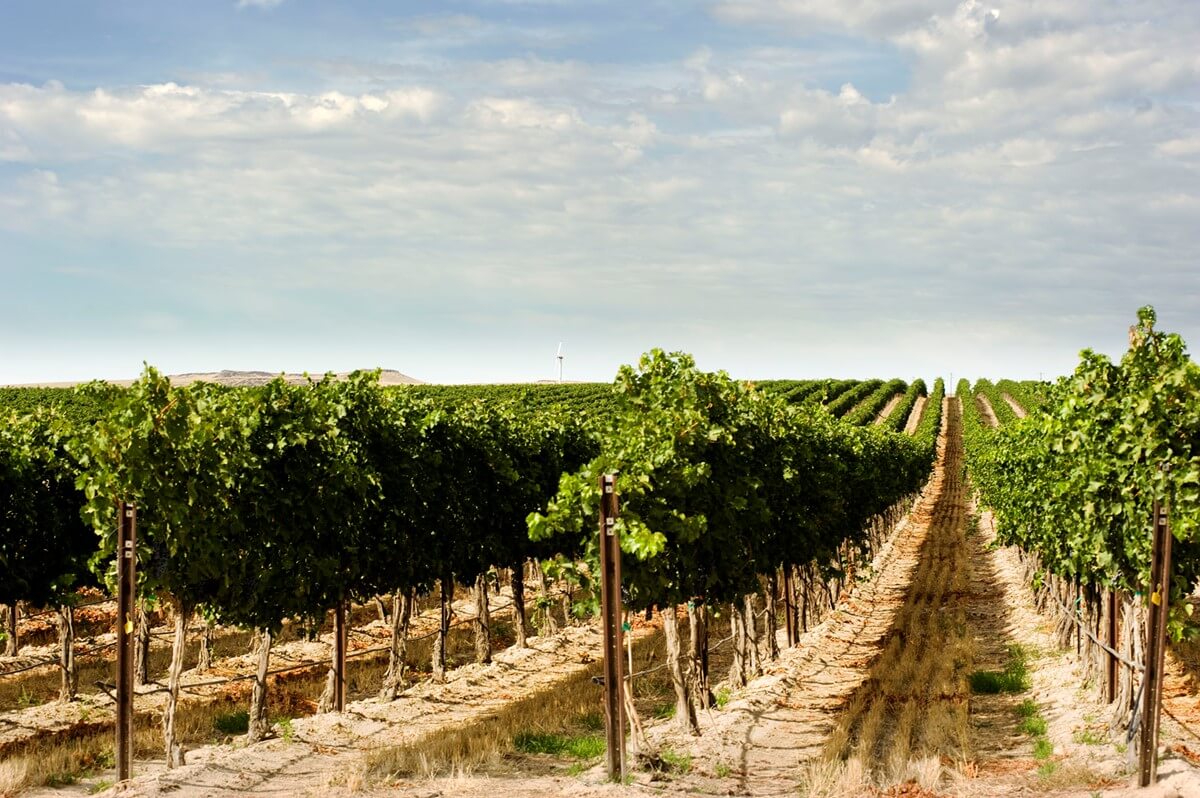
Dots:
pixel 782 187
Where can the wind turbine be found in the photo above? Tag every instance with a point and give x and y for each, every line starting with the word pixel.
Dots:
pixel 559 356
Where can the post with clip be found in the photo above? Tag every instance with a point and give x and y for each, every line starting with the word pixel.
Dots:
pixel 610 612
pixel 126 585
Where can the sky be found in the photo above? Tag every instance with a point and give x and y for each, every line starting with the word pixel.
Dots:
pixel 784 188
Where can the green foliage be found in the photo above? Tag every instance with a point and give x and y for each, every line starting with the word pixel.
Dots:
pixel 78 406
pixel 232 723
pixel 899 418
pixel 873 405
pixel 1029 394
pixel 44 545
pixel 930 424
pixel 675 762
pixel 1013 679
pixel 1075 481
pixel 587 746
pixel 848 400
pixel 664 710
pixel 720 483
pixel 1034 726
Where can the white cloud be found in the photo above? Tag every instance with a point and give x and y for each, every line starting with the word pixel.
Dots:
pixel 259 3
pixel 1036 151
pixel 58 123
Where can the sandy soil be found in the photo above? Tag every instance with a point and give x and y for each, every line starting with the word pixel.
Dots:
pixel 1015 405
pixel 985 409
pixel 324 754
pixel 888 408
pixel 914 417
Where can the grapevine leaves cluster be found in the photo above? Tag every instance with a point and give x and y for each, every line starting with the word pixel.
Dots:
pixel 45 547
pixel 1076 480
pixel 720 483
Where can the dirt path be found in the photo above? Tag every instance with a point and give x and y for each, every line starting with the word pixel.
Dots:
pixel 1016 406
pixel 759 743
pixel 888 408
pixel 880 702
pixel 985 409
pixel 914 417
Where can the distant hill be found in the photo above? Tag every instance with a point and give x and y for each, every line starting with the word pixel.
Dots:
pixel 244 378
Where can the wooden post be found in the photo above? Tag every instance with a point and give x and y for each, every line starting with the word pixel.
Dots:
pixel 610 614
pixel 339 657
pixel 126 585
pixel 1156 630
pixel 1112 665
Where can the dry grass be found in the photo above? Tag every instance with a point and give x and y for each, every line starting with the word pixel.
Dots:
pixel 486 743
pixel 477 745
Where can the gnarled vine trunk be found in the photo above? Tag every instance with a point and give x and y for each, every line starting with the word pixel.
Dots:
pixel 328 700
pixel 698 650
pixel 173 747
pixel 12 614
pixel 141 648
pixel 258 697
pixel 439 642
pixel 549 624
pixel 382 608
pixel 685 711
pixel 754 658
pixel 66 654
pixel 772 619
pixel 637 734
pixel 483 622
pixel 737 631
pixel 520 627
pixel 393 679
pixel 204 658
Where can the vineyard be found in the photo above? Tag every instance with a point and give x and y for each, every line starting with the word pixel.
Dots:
pixel 830 587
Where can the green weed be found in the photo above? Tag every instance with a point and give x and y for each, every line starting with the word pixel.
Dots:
pixel 675 762
pixel 232 723
pixel 1034 726
pixel 588 746
pixel 665 710
pixel 592 721
pixel 1013 679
